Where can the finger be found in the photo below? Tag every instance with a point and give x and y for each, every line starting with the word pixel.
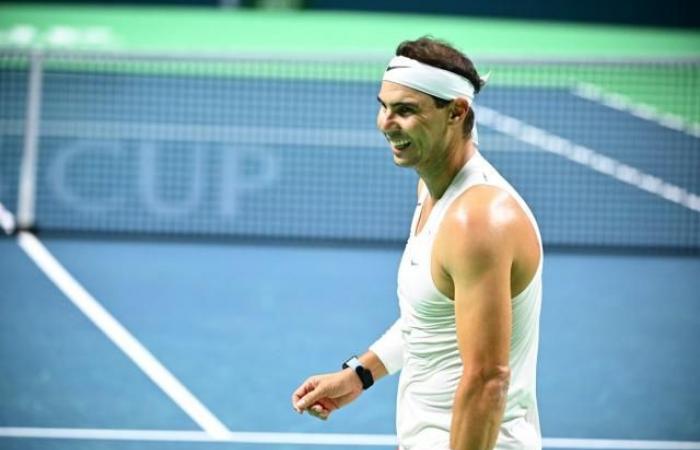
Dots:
pixel 296 396
pixel 302 390
pixel 328 404
pixel 295 399
pixel 319 408
pixel 308 386
pixel 310 397
pixel 319 411
pixel 314 414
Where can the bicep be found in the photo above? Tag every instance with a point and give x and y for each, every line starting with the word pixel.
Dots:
pixel 478 259
pixel 483 315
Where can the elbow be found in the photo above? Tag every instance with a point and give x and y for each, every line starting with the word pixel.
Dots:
pixel 478 407
pixel 492 381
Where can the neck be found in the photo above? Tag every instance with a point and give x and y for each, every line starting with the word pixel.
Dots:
pixel 438 176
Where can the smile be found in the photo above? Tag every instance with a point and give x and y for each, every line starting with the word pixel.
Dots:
pixel 399 144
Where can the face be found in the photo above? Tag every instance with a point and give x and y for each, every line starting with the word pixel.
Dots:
pixel 416 129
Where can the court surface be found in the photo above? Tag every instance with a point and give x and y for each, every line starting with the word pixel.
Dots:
pixel 241 325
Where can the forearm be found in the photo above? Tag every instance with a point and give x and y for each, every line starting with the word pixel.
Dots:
pixel 477 412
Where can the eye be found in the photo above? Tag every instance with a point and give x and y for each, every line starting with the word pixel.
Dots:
pixel 404 111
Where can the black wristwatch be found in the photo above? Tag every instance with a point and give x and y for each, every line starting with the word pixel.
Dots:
pixel 364 374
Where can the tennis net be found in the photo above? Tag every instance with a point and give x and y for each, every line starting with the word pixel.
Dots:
pixel 607 153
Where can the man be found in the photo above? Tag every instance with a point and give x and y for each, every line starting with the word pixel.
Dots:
pixel 469 282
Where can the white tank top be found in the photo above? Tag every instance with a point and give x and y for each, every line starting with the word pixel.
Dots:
pixel 432 366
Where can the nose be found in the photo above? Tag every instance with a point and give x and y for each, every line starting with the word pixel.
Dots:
pixel 385 120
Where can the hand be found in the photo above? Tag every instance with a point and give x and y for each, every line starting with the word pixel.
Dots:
pixel 320 395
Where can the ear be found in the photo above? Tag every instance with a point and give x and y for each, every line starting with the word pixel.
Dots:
pixel 458 110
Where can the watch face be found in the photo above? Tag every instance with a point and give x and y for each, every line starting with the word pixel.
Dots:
pixel 352 362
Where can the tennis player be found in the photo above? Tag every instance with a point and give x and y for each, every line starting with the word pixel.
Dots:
pixel 469 281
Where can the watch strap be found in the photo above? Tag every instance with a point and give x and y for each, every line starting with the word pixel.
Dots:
pixel 364 374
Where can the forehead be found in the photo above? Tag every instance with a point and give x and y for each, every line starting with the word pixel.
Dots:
pixel 390 92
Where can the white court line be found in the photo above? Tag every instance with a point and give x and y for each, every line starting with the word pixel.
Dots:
pixel 200 436
pixel 310 438
pixel 587 157
pixel 622 444
pixel 7 220
pixel 121 336
pixel 641 110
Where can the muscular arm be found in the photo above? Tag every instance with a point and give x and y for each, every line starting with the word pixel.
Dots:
pixel 477 257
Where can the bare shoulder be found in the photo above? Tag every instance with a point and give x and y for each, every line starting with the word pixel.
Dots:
pixel 483 216
pixel 485 227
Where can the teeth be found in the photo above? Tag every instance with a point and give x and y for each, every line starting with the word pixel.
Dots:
pixel 399 143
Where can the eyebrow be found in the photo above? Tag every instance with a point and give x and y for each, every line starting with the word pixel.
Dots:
pixel 395 104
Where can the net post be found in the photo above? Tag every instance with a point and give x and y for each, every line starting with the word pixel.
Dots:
pixel 27 180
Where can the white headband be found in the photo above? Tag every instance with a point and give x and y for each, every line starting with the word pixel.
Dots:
pixel 431 80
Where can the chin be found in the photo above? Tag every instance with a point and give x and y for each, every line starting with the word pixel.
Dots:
pixel 404 158
pixel 401 162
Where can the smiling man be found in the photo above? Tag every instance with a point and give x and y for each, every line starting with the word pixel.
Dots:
pixel 469 281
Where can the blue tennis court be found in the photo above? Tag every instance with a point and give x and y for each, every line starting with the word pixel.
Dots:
pixel 234 249
pixel 241 325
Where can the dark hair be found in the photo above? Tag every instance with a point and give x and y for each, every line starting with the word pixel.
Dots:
pixel 441 54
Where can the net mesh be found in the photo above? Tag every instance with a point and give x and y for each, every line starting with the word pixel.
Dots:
pixel 13 108
pixel 606 154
